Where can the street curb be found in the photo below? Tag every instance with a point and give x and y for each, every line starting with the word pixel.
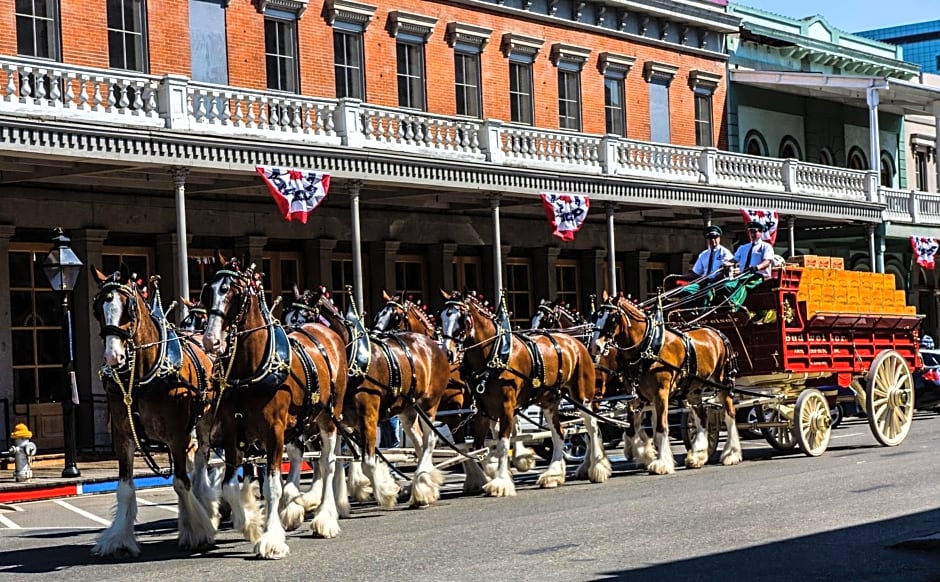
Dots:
pixel 93 486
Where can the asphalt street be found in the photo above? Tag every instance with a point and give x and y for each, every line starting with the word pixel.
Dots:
pixel 853 514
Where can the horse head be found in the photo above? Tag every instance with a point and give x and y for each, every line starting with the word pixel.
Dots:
pixel 616 321
pixel 196 316
pixel 545 316
pixel 118 307
pixel 303 309
pixel 392 316
pixel 456 323
pixel 226 299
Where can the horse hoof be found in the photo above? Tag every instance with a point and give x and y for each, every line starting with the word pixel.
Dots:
pixel 325 527
pixel 270 549
pixel 660 468
pixel 500 487
pixel 524 463
pixel 731 458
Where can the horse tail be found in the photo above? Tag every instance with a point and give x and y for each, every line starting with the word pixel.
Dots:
pixel 730 368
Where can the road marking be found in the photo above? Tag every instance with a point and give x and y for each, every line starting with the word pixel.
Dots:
pixel 164 507
pixel 83 513
pixel 842 436
pixel 7 523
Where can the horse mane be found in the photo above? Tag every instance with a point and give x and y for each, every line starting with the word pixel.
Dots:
pixel 426 318
pixel 569 313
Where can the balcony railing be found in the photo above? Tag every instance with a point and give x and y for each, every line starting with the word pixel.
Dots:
pixel 54 90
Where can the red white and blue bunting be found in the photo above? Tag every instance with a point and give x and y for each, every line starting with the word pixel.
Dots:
pixel 769 218
pixel 925 250
pixel 566 213
pixel 296 192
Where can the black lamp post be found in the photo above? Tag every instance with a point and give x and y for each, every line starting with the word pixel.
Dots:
pixel 62 268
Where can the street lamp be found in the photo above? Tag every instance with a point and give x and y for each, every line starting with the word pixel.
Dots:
pixel 62 268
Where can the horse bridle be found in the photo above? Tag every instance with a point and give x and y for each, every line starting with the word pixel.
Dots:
pixel 399 314
pixel 549 314
pixel 111 286
pixel 464 309
pixel 241 281
pixel 607 335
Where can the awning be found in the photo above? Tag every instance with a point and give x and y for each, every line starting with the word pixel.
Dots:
pixel 895 96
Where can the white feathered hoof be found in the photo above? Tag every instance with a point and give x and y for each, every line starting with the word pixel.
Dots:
pixel 500 487
pixel 272 546
pixel 524 462
pixel 552 478
pixel 292 516
pixel 660 467
pixel 731 457
pixel 696 459
pixel 119 548
pixel 426 488
pixel 325 525
pixel 387 494
pixel 360 488
pixel 601 471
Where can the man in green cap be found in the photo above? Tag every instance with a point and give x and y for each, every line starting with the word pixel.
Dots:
pixel 757 255
pixel 711 261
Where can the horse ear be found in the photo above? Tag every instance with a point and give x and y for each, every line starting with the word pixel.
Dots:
pixel 98 275
pixel 386 296
pixel 604 295
pixel 219 258
pixel 445 294
pixel 297 294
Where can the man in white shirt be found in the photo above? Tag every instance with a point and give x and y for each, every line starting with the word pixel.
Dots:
pixel 757 255
pixel 712 260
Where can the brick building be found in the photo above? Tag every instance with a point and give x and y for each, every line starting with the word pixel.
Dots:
pixel 439 122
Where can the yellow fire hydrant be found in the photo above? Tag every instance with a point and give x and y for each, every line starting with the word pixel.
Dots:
pixel 23 451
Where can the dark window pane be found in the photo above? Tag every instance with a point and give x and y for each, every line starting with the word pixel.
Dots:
pixel 25 39
pixel 21 266
pixel 21 308
pixel 52 387
pixel 115 16
pixel 23 348
pixel 116 49
pixel 24 386
pixel 48 309
pixel 50 346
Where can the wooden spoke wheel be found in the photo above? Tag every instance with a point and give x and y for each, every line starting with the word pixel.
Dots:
pixel 713 428
pixel 889 398
pixel 812 423
pixel 781 438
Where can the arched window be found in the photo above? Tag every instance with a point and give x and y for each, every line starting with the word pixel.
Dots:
pixel 857 160
pixel 754 144
pixel 790 149
pixel 826 158
pixel 887 170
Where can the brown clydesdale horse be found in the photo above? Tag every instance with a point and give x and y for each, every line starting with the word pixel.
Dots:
pixel 272 384
pixel 403 314
pixel 159 389
pixel 402 372
pixel 512 370
pixel 666 362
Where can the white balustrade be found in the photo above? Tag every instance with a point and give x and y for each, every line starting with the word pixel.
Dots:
pixel 830 181
pixel 532 147
pixel 745 171
pixel 419 132
pixel 667 162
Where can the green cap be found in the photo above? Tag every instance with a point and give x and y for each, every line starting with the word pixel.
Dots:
pixel 712 230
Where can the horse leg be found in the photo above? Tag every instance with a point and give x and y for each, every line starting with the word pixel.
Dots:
pixel 360 487
pixel 596 465
pixel 491 463
pixel 205 487
pixel 118 540
pixel 273 542
pixel 502 485
pixel 642 446
pixel 554 475
pixel 383 485
pixel 698 456
pixel 664 463
pixel 475 476
pixel 426 486
pixel 242 501
pixel 523 457
pixel 196 530
pixel 326 521
pixel 731 455
pixel 339 480
pixel 414 431
pixel 292 508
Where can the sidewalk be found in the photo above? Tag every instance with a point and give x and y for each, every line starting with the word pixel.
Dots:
pixel 97 476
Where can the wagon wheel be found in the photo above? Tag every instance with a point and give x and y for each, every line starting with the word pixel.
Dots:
pixel 812 423
pixel 889 398
pixel 713 429
pixel 781 438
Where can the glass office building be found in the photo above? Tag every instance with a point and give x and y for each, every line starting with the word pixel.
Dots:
pixel 920 41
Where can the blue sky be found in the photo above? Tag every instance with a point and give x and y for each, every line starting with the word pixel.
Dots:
pixel 854 15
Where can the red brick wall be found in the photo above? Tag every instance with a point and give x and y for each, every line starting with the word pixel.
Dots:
pixel 85 42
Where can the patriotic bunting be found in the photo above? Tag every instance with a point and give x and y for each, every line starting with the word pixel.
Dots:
pixel 768 218
pixel 296 192
pixel 925 249
pixel 566 213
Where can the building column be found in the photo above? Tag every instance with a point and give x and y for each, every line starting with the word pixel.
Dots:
pixel 381 261
pixel 92 412
pixel 609 208
pixel 544 275
pixel 250 248
pixel 168 263
pixel 871 248
pixel 593 275
pixel 181 272
pixel 635 274
pixel 874 139
pixel 440 272
pixel 488 269
pixel 318 263
pixel 355 189
pixel 880 247
pixel 791 227
pixel 497 244
pixel 6 323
